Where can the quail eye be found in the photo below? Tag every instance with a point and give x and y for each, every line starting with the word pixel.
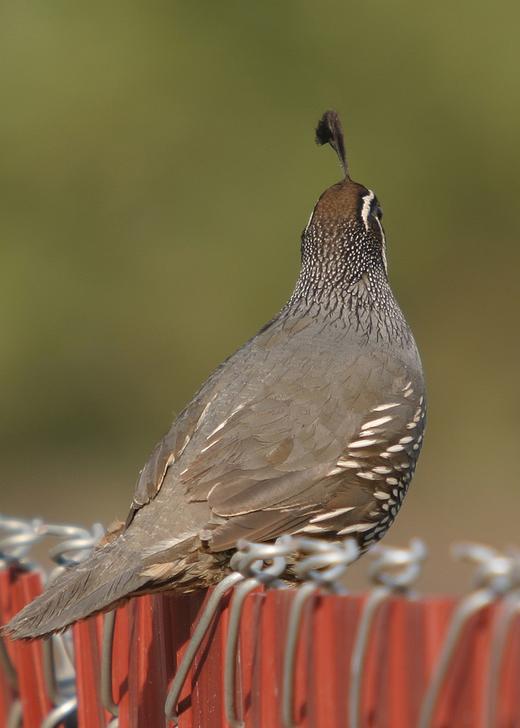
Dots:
pixel 378 212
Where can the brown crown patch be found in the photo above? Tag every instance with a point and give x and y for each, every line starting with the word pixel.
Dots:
pixel 341 201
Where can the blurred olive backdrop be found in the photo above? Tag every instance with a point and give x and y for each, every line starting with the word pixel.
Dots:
pixel 157 166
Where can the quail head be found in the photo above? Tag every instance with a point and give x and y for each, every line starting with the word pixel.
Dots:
pixel 313 427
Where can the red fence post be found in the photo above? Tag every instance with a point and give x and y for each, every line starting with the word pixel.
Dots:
pixel 207 674
pixel 151 635
pixel 159 632
pixel 28 656
pixel 87 654
pixel 463 700
pixel 508 703
pixel 8 692
pixel 146 669
pixel 405 678
pixel 273 624
pixel 248 692
pixel 334 628
pixel 121 650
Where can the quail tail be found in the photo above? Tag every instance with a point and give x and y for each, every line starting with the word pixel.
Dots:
pixel 108 576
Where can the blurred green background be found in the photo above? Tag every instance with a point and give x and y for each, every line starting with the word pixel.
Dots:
pixel 157 168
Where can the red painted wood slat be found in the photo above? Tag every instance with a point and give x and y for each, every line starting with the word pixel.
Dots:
pixel 152 632
pixel 28 656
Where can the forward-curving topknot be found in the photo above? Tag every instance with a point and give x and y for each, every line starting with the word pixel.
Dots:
pixel 330 131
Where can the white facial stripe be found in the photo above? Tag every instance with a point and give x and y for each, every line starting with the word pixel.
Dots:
pixel 383 247
pixel 365 210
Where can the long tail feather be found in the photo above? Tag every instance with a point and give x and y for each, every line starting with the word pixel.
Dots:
pixel 108 576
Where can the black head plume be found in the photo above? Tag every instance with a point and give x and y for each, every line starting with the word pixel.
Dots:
pixel 330 131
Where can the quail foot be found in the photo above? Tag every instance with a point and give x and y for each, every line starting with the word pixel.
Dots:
pixel 313 427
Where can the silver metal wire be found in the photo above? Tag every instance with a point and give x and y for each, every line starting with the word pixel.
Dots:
pixel 15 546
pixel 251 558
pixel 240 593
pixel 397 568
pixel 57 715
pixel 510 609
pixel 49 671
pixel 320 565
pixel 76 545
pixel 493 577
pixel 21 537
pixel 15 717
pixel 204 623
pixel 324 563
pixel 107 653
pixel 255 564
pixel 394 570
pixel 303 594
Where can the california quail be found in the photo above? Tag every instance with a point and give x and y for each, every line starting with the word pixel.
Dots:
pixel 313 427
